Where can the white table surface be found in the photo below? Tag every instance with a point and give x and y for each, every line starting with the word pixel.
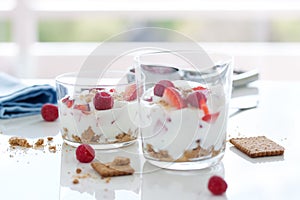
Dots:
pixel 40 174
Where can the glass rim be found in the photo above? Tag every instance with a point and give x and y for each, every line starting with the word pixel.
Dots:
pixel 74 75
pixel 212 55
pixel 209 53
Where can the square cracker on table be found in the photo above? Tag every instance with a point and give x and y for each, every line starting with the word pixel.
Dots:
pixel 119 167
pixel 259 146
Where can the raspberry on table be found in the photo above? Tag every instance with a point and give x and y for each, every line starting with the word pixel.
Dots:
pixel 217 185
pixel 49 112
pixel 85 153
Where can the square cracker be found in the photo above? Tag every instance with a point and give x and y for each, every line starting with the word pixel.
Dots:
pixel 119 167
pixel 259 146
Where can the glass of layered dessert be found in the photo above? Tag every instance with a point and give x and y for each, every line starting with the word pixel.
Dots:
pixel 184 117
pixel 98 110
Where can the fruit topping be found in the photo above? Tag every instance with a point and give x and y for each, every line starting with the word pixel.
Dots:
pixel 112 90
pixel 69 102
pixel 203 106
pixel 85 108
pixel 159 87
pixel 130 93
pixel 103 101
pixel 148 99
pixel 85 153
pixel 199 88
pixel 173 98
pixel 217 185
pixel 210 118
pixel 196 99
pixel 49 112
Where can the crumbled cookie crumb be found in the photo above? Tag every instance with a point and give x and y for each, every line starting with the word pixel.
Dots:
pixel 39 143
pixel 65 130
pixel 188 155
pixel 162 155
pixel 76 138
pixel 50 139
pixel 89 136
pixel 125 137
pixel 16 141
pixel 78 170
pixel 52 149
pixel 107 180
pixel 75 181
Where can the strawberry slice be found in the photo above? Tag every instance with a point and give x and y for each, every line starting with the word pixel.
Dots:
pixel 173 98
pixel 203 106
pixel 210 118
pixel 82 107
pixel 64 100
pixel 69 102
pixel 196 99
pixel 130 93
pixel 159 87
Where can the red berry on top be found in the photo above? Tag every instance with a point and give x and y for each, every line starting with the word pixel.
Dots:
pixel 217 185
pixel 195 99
pixel 85 153
pixel 49 112
pixel 130 92
pixel 103 101
pixel 199 88
pixel 159 87
pixel 173 98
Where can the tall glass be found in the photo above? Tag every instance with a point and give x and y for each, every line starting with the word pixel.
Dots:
pixel 98 110
pixel 184 111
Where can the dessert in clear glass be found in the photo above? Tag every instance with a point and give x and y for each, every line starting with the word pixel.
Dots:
pixel 99 111
pixel 184 121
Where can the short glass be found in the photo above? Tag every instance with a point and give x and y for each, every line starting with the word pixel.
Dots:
pixel 184 116
pixel 98 110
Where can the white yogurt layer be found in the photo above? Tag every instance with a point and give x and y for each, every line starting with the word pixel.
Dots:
pixel 105 123
pixel 177 130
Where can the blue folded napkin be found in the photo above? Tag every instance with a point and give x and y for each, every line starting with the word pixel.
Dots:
pixel 18 99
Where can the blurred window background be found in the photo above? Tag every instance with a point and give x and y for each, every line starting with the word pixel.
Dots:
pixel 42 38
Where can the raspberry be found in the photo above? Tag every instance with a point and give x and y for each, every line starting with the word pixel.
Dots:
pixel 159 87
pixel 103 101
pixel 217 185
pixel 49 112
pixel 85 153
